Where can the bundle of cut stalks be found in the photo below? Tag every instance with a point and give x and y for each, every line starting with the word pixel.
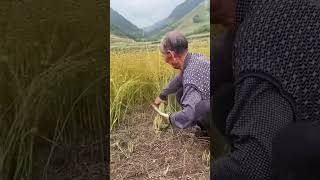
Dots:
pixel 159 123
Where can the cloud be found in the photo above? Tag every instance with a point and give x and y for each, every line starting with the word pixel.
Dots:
pixel 144 13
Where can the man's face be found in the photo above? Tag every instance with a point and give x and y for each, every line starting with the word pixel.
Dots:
pixel 170 58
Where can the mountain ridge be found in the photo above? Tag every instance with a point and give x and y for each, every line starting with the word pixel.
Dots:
pixel 179 12
pixel 122 27
pixel 189 17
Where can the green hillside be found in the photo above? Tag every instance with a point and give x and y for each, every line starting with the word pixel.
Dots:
pixel 195 22
pixel 179 12
pixel 120 26
pixel 191 18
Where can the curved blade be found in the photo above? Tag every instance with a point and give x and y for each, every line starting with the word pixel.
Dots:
pixel 158 111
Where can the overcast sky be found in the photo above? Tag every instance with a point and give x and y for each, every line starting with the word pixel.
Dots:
pixel 144 13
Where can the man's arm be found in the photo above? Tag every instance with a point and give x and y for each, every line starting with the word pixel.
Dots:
pixel 185 118
pixel 259 112
pixel 172 87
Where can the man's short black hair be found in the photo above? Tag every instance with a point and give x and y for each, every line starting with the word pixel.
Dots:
pixel 174 41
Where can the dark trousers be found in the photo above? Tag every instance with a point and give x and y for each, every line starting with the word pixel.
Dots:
pixel 203 114
pixel 202 111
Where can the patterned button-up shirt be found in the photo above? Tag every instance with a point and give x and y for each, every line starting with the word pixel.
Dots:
pixel 195 82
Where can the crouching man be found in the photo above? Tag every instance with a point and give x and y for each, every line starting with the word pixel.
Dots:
pixel 191 85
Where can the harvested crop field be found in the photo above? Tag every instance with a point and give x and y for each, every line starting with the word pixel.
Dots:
pixel 137 152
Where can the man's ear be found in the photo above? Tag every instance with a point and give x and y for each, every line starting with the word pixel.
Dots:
pixel 173 54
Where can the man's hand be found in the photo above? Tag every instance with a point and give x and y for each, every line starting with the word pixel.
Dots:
pixel 158 101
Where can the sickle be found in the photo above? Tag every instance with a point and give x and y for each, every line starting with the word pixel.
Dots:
pixel 159 112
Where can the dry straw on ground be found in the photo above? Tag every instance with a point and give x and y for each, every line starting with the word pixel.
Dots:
pixel 137 152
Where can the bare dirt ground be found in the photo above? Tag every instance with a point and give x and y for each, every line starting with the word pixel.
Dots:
pixel 137 152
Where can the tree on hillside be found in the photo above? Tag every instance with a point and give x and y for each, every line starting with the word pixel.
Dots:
pixel 196 19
